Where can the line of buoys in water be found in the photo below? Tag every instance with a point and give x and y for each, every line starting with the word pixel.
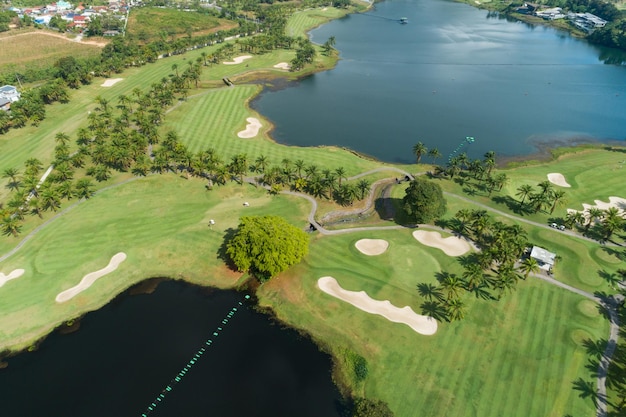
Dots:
pixel 191 362
pixel 467 141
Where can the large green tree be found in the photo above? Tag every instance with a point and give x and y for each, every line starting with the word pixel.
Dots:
pixel 424 201
pixel 364 407
pixel 266 245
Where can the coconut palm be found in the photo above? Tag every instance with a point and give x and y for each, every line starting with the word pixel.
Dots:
pixel 613 220
pixel 451 285
pixel 299 166
pixel 11 226
pixel 341 174
pixel 419 149
pixel 84 188
pixel 524 191
pixel 473 275
pixel 529 265
pixel 558 198
pixel 435 154
pixel 364 187
pixel 455 309
pixel 434 309
pixel 593 214
pixel 33 166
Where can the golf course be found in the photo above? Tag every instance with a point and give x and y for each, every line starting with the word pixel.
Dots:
pixel 522 352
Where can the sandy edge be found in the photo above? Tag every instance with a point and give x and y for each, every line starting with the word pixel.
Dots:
pixel 238 60
pixel 421 324
pixel 109 82
pixel 617 202
pixel 451 246
pixel 252 129
pixel 558 179
pixel 372 247
pixel 282 65
pixel 90 278
pixel 16 273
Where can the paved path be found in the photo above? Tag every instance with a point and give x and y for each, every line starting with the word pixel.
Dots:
pixel 610 305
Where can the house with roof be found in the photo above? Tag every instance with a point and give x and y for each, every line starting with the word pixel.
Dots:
pixel 544 258
pixel 8 95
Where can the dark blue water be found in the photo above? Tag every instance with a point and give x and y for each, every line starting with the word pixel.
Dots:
pixel 125 354
pixel 452 71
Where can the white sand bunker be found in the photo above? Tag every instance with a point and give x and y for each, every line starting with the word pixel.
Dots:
pixel 421 324
pixel 111 82
pixel 282 65
pixel 252 128
pixel 238 60
pixel 558 179
pixel 372 247
pixel 16 273
pixel 451 246
pixel 617 202
pixel 90 278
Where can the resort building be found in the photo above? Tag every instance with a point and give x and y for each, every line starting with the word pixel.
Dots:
pixel 8 95
pixel 544 258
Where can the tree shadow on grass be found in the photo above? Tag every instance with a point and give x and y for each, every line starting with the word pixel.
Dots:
pixel 512 204
pixel 595 348
pixel 221 251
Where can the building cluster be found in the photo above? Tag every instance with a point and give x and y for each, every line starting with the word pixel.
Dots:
pixel 77 17
pixel 584 21
pixel 8 95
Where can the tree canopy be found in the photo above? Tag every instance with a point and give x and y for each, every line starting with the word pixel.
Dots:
pixel 364 407
pixel 266 245
pixel 424 201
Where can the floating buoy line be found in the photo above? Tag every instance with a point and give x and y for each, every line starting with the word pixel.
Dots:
pixel 179 377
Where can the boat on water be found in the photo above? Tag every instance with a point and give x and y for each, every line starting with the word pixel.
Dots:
pixel 404 20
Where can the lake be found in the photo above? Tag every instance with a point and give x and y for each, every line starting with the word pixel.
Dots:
pixel 453 71
pixel 125 354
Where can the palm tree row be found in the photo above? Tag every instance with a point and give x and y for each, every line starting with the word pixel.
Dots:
pixel 547 197
pixel 606 222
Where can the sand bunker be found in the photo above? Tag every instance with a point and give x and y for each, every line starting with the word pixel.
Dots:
pixel 16 273
pixel 90 278
pixel 282 65
pixel 110 82
pixel 421 324
pixel 452 246
pixel 558 179
pixel 617 202
pixel 238 60
pixel 372 247
pixel 252 129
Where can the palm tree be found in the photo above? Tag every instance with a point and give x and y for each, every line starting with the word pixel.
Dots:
pixel 453 167
pixel 84 188
pixel 50 199
pixel 11 226
pixel 341 174
pixel 299 166
pixel 574 217
pixel 261 163
pixel 364 187
pixel 10 173
pixel 529 265
pixel 524 191
pixel 539 201
pixel 451 285
pixel 455 309
pixel 473 275
pixel 33 166
pixel 593 214
pixel 558 198
pixel 546 188
pixel 613 221
pixel 419 149
pixel 435 154
pixel 490 161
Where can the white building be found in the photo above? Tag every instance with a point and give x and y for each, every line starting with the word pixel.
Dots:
pixel 543 257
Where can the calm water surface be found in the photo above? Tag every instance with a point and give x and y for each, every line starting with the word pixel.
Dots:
pixel 125 354
pixel 452 72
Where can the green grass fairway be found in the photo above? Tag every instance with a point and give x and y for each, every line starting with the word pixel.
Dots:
pixel 300 23
pixel 516 357
pixel 160 222
pixel 212 120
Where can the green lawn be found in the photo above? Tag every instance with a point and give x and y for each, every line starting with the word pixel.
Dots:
pixel 515 357
pixel 301 23
pixel 161 222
